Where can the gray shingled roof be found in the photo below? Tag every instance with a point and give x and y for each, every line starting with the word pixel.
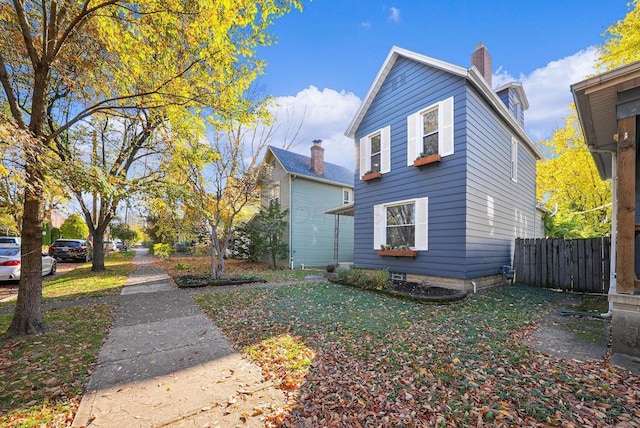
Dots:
pixel 295 163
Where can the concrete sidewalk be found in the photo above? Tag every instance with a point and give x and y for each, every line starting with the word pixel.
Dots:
pixel 166 364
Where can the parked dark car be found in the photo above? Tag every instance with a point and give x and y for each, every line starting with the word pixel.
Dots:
pixel 71 249
pixel 121 246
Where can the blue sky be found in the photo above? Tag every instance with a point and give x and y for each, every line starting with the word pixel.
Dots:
pixel 327 55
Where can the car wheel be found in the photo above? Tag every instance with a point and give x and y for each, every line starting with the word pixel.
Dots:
pixel 54 266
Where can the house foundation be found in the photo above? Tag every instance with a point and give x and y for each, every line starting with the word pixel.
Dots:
pixel 471 285
pixel 625 324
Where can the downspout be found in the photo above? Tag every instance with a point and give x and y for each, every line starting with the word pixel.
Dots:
pixel 614 227
pixel 336 238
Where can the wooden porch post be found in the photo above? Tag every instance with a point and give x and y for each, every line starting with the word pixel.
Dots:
pixel 625 251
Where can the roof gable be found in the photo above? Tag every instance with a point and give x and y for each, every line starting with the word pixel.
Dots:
pixel 516 86
pixel 472 75
pixel 388 64
pixel 294 163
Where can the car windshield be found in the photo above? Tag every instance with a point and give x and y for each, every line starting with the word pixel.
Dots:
pixel 9 252
pixel 8 241
pixel 67 244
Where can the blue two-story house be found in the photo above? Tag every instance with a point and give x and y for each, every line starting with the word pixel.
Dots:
pixel 446 175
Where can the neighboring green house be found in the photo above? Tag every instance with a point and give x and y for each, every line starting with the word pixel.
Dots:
pixel 308 186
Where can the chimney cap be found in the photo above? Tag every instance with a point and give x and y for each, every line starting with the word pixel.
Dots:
pixel 317 142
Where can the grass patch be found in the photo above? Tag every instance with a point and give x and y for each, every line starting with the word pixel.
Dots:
pixel 592 303
pixel 420 365
pixel 177 265
pixel 83 283
pixel 43 377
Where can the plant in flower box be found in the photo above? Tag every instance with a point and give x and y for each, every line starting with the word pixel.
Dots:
pixel 426 158
pixel 371 175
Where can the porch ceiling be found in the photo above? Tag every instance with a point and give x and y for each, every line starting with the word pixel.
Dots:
pixel 596 101
pixel 346 209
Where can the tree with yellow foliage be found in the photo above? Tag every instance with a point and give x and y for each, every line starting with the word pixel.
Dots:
pixel 215 183
pixel 61 61
pixel 568 184
pixel 623 40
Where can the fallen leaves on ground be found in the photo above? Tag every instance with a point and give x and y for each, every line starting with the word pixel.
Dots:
pixel 378 361
pixel 43 377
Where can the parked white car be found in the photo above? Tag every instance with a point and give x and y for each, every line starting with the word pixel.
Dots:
pixel 10 261
pixel 109 245
pixel 10 240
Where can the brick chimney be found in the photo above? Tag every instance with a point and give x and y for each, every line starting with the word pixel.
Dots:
pixel 481 60
pixel 317 157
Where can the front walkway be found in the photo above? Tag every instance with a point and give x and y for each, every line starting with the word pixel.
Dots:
pixel 166 364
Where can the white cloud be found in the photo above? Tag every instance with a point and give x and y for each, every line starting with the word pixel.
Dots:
pixel 366 24
pixel 320 115
pixel 548 90
pixel 394 14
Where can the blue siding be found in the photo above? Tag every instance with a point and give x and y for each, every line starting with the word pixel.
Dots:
pixel 443 184
pixel 475 209
pixel 511 100
pixel 498 209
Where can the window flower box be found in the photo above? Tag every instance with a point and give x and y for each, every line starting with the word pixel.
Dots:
pixel 424 160
pixel 372 175
pixel 397 253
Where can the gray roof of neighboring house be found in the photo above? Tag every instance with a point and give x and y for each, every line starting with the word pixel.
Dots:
pixel 298 164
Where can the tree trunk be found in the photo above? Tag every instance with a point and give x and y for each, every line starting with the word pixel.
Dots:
pixel 98 253
pixel 27 318
pixel 217 259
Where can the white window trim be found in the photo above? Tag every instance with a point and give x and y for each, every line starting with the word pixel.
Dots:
pixel 445 130
pixel 385 151
pixel 514 159
pixel 274 191
pixel 350 191
pixel 421 225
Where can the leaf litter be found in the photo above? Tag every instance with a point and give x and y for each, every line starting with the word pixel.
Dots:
pixel 349 358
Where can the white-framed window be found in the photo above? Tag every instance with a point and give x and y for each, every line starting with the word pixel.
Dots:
pixel 347 195
pixel 274 192
pixel 375 152
pixel 514 159
pixel 398 276
pixel 430 131
pixel 401 223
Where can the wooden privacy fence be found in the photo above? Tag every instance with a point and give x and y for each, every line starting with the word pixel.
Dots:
pixel 580 265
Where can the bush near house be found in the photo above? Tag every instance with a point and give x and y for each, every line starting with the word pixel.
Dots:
pixel 365 279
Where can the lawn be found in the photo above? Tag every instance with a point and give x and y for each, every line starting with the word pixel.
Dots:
pixel 44 376
pixel 82 283
pixel 347 357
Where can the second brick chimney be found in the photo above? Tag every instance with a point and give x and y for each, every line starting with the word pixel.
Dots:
pixel 481 60
pixel 317 157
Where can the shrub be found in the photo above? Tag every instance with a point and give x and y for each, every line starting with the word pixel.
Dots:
pixel 365 279
pixel 161 250
pixel 200 249
pixel 183 266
